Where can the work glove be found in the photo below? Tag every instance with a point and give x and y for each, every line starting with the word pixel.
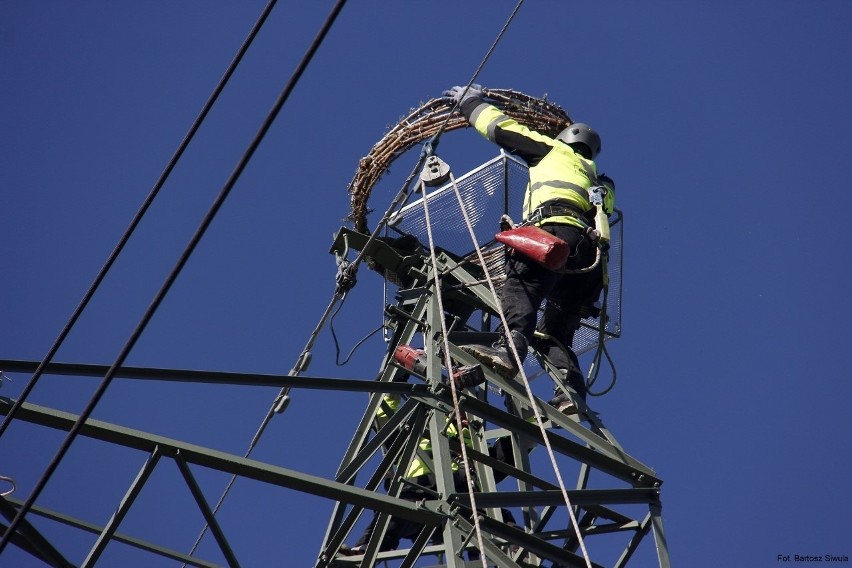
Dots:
pixel 458 94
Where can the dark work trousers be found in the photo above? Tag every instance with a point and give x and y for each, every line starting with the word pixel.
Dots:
pixel 567 295
pixel 399 528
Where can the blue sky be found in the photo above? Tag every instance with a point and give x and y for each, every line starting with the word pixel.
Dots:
pixel 725 124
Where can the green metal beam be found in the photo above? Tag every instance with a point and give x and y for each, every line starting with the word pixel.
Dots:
pixel 578 497
pixel 215 377
pixel 229 463
pixel 119 537
pixel 209 517
pixel 30 539
pixel 531 543
pixel 126 503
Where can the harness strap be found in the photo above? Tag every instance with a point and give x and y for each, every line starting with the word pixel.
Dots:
pixel 560 210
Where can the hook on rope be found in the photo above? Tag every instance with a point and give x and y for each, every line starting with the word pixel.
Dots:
pixel 11 482
pixel 429 146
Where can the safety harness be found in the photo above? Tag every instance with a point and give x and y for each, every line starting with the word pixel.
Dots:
pixel 549 250
pixel 594 220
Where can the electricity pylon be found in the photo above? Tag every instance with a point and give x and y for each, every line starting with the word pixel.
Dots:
pixel 518 514
pixel 443 302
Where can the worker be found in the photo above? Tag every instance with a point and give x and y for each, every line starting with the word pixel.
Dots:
pixel 561 171
pixel 420 483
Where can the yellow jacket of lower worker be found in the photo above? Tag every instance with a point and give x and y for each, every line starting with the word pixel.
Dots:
pixel 419 466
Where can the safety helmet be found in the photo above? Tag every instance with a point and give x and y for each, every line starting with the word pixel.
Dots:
pixel 580 133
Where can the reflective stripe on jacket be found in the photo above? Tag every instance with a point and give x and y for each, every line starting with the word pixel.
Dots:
pixel 389 401
pixel 557 173
pixel 420 466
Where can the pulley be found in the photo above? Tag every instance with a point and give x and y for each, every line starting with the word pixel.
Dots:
pixel 435 171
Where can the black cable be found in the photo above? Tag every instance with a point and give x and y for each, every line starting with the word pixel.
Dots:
pixel 170 279
pixel 278 405
pixel 434 140
pixel 360 342
pixel 595 370
pixel 137 218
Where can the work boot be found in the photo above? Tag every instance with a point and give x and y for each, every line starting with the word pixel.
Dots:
pixel 563 403
pixel 346 550
pixel 499 357
pixel 468 376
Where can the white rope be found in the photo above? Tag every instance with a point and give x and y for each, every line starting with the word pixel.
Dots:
pixel 449 367
pixel 520 363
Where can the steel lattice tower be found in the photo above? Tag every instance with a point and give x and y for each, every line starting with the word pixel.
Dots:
pixel 614 496
pixel 499 414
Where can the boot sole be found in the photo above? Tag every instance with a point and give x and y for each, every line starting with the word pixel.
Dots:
pixel 494 363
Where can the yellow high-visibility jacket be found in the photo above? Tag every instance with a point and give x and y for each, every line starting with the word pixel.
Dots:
pixel 558 174
pixel 420 467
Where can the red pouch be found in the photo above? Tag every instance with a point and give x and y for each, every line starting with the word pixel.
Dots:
pixel 548 250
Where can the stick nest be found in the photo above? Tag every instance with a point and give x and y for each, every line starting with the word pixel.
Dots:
pixel 423 123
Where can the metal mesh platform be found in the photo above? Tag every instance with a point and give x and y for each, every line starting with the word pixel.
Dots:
pixel 495 188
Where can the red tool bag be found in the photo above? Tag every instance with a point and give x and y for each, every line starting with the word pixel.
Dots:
pixel 548 250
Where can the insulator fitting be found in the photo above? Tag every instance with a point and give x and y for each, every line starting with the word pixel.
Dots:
pixel 281 404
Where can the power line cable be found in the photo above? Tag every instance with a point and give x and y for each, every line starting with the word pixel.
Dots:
pixel 282 399
pixel 434 141
pixel 346 278
pixel 172 277
pixel 137 218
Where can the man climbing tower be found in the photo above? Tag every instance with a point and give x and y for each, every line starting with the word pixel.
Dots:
pixel 561 171
pixel 420 484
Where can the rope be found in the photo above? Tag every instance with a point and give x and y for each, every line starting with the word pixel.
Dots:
pixel 516 356
pixel 448 365
pixel 137 218
pixel 171 278
pixel 429 149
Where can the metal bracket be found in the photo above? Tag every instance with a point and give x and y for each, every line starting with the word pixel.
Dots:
pixel 597 194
